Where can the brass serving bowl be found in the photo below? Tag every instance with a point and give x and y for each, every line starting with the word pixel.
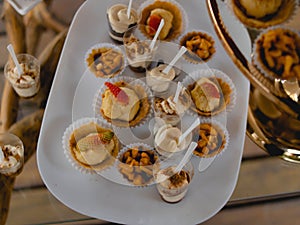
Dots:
pixel 273 116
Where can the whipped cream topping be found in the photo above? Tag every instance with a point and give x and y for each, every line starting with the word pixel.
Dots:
pixel 117 16
pixel 95 154
pixel 116 110
pixel 166 139
pixel 26 79
pixel 10 156
pixel 158 80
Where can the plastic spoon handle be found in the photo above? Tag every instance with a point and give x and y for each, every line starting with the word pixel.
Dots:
pixel 14 57
pixel 161 24
pixel 186 157
pixel 189 130
pixel 179 87
pixel 175 59
pixel 129 9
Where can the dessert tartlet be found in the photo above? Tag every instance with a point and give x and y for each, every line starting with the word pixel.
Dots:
pixel 166 140
pixel 119 22
pixel 212 92
pixel 123 102
pixel 213 139
pixel 277 53
pixel 90 145
pixel 105 60
pixel 262 14
pixel 173 14
pixel 200 45
pixel 135 163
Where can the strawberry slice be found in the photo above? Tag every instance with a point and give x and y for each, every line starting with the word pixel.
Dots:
pixel 153 23
pixel 118 93
pixel 93 142
pixel 210 90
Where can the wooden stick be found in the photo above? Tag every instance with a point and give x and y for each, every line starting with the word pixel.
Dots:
pixel 16 35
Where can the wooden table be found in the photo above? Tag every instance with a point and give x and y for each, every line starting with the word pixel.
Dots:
pixel 267 191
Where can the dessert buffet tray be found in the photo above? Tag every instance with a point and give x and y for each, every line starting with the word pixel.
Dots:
pixel 71 98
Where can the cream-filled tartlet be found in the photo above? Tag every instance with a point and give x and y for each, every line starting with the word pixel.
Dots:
pixel 119 22
pixel 166 140
pixel 90 146
pixel 263 13
pixel 124 104
pixel 26 84
pixel 172 186
pixel 157 79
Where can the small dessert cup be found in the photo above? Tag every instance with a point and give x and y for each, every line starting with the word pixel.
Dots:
pixel 137 49
pixel 172 186
pixel 135 163
pixel 11 154
pixel 26 84
pixel 119 22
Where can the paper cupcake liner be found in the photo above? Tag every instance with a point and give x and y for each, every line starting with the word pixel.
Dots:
pixel 256 24
pixel 107 163
pixel 185 19
pixel 193 57
pixel 220 128
pixel 118 162
pixel 107 45
pixel 256 59
pixel 97 102
pixel 217 74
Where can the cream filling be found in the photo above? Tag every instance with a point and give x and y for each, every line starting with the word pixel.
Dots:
pixel 166 139
pixel 117 16
pixel 116 110
pixel 9 156
pixel 260 8
pixel 95 154
pixel 159 81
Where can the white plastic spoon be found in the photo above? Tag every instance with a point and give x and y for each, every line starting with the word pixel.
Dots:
pixel 175 59
pixel 188 131
pixel 161 24
pixel 14 57
pixel 129 9
pixel 186 157
pixel 178 90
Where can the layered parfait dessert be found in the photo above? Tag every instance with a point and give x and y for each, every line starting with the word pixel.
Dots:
pixel 172 186
pixel 138 50
pixel 26 84
pixel 11 155
pixel 119 21
pixel 171 111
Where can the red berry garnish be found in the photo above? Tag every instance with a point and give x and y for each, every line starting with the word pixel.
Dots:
pixel 153 22
pixel 118 93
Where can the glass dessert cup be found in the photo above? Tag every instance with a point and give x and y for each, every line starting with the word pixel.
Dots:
pixel 118 21
pixel 171 186
pixel 137 49
pixel 11 154
pixel 28 83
